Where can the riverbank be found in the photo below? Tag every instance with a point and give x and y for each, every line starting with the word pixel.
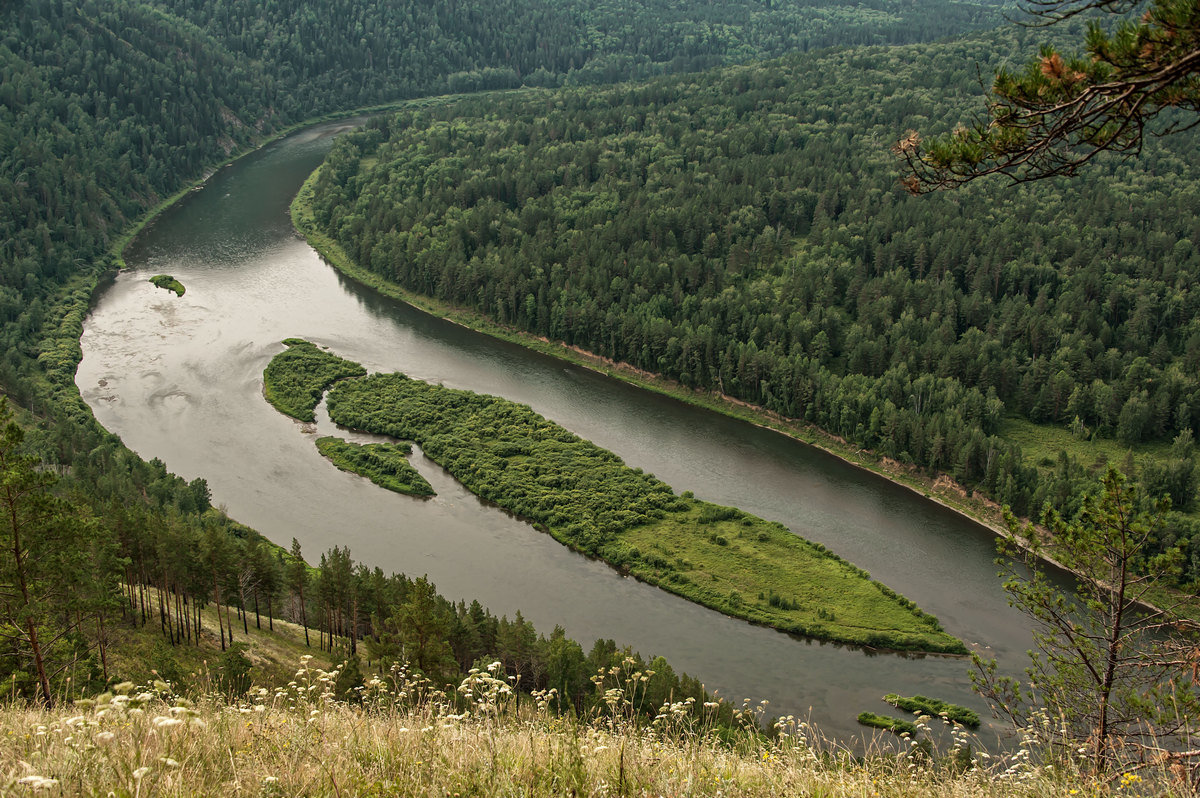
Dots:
pixel 941 490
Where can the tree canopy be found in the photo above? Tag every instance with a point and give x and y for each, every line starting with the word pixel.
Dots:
pixel 1139 76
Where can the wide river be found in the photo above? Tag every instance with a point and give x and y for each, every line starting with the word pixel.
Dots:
pixel 181 379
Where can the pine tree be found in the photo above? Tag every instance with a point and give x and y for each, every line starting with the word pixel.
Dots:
pixel 47 584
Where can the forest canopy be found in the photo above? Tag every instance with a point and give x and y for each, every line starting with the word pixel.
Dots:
pixel 742 231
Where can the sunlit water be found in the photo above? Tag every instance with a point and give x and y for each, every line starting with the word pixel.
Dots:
pixel 181 379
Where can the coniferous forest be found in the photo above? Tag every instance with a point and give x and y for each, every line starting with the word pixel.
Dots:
pixel 107 110
pixel 742 231
pixel 652 191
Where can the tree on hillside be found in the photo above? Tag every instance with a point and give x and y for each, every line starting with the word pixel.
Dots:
pixel 1112 675
pixel 1060 111
pixel 47 583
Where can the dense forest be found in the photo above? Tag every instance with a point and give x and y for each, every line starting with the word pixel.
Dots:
pixel 742 231
pixel 108 109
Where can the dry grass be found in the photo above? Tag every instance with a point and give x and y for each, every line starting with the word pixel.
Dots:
pixel 406 741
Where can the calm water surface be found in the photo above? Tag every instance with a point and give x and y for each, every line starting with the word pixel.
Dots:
pixel 181 379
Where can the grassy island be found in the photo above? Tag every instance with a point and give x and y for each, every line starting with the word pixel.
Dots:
pixel 935 708
pixel 296 378
pixel 385 464
pixel 168 282
pixel 588 499
pixel 894 725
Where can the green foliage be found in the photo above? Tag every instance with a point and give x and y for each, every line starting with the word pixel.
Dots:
pixel 55 561
pixel 296 379
pixel 1106 663
pixel 168 282
pixel 1058 111
pixel 757 246
pixel 385 464
pixel 894 725
pixel 934 708
pixel 233 670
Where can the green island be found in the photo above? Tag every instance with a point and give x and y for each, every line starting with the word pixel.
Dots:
pixel 385 464
pixel 935 707
pixel 894 725
pixel 587 498
pixel 168 282
pixel 296 379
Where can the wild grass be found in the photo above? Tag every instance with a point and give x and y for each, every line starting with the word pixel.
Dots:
pixel 1041 445
pixel 399 738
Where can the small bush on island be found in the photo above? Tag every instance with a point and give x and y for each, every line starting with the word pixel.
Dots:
pixel 168 282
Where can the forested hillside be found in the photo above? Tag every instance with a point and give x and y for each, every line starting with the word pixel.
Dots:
pixel 108 109
pixel 743 231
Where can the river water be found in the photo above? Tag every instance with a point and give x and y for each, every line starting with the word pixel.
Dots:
pixel 181 379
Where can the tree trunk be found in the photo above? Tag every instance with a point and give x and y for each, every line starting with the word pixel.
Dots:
pixel 217 599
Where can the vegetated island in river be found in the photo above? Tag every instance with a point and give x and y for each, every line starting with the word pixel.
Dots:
pixel 168 282
pixel 385 464
pixel 587 498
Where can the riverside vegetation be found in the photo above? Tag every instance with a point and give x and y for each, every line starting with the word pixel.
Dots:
pixel 385 464
pixel 588 499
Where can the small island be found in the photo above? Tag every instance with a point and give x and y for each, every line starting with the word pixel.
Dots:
pixel 385 464
pixel 168 282
pixel 296 378
pixel 934 707
pixel 887 723
pixel 588 499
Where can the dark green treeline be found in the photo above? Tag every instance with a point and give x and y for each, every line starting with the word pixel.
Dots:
pixel 108 108
pixel 742 230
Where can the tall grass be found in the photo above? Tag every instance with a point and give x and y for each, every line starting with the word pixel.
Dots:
pixel 397 736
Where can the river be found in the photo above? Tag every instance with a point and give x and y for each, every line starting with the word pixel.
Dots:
pixel 180 378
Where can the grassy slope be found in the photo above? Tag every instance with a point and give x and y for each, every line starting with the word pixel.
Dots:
pixel 295 742
pixel 141 653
